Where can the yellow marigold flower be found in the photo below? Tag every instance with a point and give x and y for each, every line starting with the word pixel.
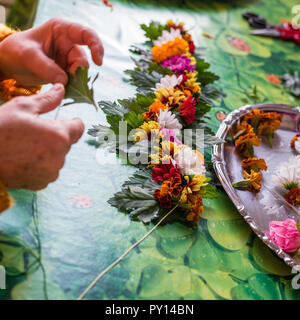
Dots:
pixel 176 47
pixel 193 60
pixel 191 83
pixel 193 186
pixel 165 152
pixel 254 164
pixel 244 144
pixel 144 131
pixel 252 181
pixel 170 97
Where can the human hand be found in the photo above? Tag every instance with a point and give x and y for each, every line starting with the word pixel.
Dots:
pixel 44 54
pixel 32 149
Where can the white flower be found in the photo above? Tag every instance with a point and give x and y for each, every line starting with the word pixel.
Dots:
pixel 168 120
pixel 167 36
pixel 287 174
pixel 188 162
pixel 168 82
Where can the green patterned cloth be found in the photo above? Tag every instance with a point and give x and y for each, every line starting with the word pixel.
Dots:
pixel 55 242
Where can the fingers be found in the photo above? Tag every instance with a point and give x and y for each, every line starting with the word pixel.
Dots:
pixel 81 35
pixel 75 129
pixel 44 67
pixel 45 102
pixel 77 58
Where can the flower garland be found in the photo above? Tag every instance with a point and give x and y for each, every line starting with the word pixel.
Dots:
pixel 173 94
pixel 245 136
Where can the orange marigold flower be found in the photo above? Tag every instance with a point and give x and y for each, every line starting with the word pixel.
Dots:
pixel 176 47
pixel 169 190
pixel 241 129
pixel 254 164
pixel 154 109
pixel 268 127
pixel 156 106
pixel 244 144
pixel 296 138
pixel 293 196
pixel 5 31
pixel 10 89
pixel 196 210
pixel 264 123
pixel 148 116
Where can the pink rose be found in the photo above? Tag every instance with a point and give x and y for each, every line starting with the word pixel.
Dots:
pixel 285 234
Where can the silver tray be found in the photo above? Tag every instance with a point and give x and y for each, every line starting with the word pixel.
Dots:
pixel 227 164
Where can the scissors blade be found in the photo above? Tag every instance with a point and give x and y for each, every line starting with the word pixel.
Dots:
pixel 266 32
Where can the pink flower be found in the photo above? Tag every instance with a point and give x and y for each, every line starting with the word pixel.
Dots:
pixel 179 64
pixel 285 235
pixel 170 135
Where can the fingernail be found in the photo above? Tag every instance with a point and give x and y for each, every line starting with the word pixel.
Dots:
pixel 57 86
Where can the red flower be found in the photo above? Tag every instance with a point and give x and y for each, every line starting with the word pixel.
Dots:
pixel 192 47
pixel 184 78
pixel 187 110
pixel 165 172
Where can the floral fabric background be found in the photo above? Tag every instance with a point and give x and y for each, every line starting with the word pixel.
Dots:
pixel 55 242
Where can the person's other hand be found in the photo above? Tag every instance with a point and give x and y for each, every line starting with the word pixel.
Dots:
pixel 32 149
pixel 44 54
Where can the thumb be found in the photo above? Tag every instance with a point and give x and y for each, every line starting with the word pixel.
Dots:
pixel 45 102
pixel 75 129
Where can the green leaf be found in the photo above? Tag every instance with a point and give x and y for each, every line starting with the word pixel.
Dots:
pixel 111 108
pixel 98 130
pixel 210 192
pixel 153 30
pixel 205 77
pixel 134 120
pixel 78 88
pixel 138 202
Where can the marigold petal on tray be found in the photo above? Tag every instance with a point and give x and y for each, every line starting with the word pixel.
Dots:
pixel 254 164
pixel 252 181
pixel 244 144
